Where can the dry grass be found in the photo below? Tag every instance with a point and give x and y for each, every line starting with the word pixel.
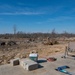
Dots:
pixel 23 49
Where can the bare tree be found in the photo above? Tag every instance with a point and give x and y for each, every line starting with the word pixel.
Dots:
pixel 14 28
pixel 53 33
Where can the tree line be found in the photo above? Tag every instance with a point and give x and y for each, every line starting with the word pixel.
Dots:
pixel 53 34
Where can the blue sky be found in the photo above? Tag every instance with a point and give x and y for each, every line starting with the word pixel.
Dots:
pixel 37 15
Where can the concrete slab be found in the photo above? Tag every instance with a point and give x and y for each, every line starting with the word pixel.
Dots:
pixel 46 68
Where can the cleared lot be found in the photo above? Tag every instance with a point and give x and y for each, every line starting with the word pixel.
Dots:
pixel 45 68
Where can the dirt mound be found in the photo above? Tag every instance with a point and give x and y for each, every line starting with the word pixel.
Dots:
pixel 11 43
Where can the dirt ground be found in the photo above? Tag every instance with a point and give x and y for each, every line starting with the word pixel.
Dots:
pixel 24 47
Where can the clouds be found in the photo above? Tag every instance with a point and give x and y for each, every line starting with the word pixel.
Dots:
pixel 32 8
pixel 61 19
pixel 11 10
pixel 22 13
pixel 28 7
pixel 18 10
pixel 58 20
pixel 27 10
